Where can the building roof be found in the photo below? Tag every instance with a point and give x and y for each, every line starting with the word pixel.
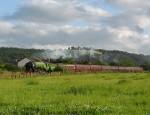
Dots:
pixel 22 62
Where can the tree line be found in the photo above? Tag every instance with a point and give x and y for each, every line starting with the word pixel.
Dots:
pixel 10 56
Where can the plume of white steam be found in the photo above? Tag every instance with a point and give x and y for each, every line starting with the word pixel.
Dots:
pixel 56 54
pixel 65 53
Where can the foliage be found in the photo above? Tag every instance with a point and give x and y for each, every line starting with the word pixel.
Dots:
pixel 58 69
pixel 126 61
pixel 9 67
pixel 2 67
pixel 146 66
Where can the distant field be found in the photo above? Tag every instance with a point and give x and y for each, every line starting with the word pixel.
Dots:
pixel 104 94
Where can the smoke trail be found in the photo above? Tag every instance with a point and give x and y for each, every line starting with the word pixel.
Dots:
pixel 69 53
pixel 56 54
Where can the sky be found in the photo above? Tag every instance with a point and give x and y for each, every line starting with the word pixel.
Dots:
pixel 53 24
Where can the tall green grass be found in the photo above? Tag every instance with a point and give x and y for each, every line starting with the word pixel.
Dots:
pixel 80 94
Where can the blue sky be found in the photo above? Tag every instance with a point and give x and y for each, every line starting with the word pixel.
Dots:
pixel 8 6
pixel 106 24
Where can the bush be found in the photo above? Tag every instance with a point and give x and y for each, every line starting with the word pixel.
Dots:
pixel 2 67
pixel 10 67
pixel 146 66
pixel 58 68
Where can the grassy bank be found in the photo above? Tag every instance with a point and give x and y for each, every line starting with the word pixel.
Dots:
pixel 106 93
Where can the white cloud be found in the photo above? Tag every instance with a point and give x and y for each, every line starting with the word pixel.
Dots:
pixel 5 27
pixel 54 11
pixel 95 11
pixel 131 4
pixel 143 21
pixel 50 24
pixel 48 36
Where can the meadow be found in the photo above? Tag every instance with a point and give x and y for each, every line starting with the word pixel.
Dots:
pixel 79 94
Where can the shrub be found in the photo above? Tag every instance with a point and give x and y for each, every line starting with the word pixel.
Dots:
pixel 58 68
pixel 146 66
pixel 11 67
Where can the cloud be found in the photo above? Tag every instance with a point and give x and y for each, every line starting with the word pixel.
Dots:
pixel 131 4
pixel 53 12
pixel 47 36
pixel 58 24
pixel 133 12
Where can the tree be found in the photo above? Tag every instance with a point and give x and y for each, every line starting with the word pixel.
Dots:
pixel 11 67
pixel 126 61
pixel 146 66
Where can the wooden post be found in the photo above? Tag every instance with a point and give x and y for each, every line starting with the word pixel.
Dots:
pixel 75 68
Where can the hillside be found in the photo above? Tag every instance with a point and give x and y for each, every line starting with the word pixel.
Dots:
pixel 11 55
pixel 75 55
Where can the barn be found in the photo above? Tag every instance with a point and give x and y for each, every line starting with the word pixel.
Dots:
pixel 23 62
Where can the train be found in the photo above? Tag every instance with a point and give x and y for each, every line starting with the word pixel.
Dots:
pixel 100 68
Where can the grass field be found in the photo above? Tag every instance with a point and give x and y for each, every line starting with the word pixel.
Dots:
pixel 80 94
